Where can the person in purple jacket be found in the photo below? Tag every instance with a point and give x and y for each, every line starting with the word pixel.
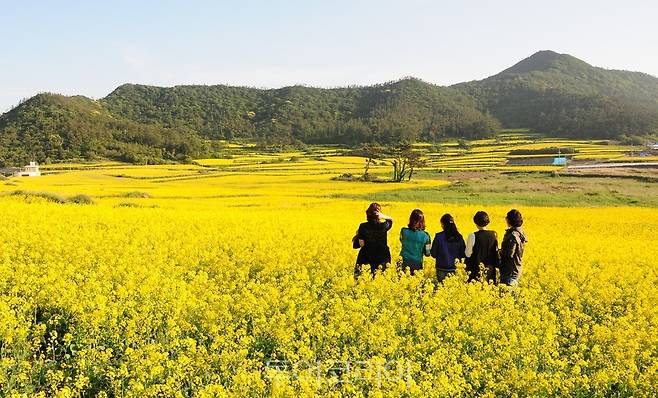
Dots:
pixel 447 247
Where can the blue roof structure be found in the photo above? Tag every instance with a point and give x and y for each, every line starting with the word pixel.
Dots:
pixel 559 161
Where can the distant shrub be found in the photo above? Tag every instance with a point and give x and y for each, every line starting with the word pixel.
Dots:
pixel 300 146
pixel 50 197
pixel 632 140
pixel 359 178
pixel 128 204
pixel 135 205
pixel 345 177
pixel 136 194
pixel 81 199
pixel 463 144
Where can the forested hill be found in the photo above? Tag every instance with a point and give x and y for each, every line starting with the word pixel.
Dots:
pixel 408 109
pixel 559 94
pixel 54 127
pixel 548 92
pixel 150 124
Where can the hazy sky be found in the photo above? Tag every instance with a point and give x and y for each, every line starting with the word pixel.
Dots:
pixel 90 47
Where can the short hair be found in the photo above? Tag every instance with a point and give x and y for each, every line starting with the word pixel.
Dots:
pixel 481 219
pixel 514 218
pixel 373 209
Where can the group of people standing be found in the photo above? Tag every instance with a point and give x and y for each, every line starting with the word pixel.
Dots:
pixel 480 253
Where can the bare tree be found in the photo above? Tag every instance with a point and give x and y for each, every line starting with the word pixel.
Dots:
pixel 405 161
pixel 371 152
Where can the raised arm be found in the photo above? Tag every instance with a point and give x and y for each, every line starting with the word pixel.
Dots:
pixel 387 219
pixel 384 216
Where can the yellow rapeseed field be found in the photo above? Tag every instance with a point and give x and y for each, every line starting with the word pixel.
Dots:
pixel 242 285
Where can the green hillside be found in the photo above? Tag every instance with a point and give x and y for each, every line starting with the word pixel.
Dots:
pixel 561 95
pixel 550 93
pixel 54 127
pixel 407 109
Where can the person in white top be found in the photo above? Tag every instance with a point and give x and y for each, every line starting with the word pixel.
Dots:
pixel 482 248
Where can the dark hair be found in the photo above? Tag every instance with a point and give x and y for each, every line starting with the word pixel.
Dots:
pixel 481 219
pixel 417 220
pixel 372 211
pixel 450 228
pixel 514 218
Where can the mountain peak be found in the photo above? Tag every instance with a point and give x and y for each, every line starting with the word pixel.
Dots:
pixel 544 60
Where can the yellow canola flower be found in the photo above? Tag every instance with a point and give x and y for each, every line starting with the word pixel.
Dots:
pixel 242 285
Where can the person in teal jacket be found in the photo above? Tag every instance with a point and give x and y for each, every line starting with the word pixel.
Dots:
pixel 416 242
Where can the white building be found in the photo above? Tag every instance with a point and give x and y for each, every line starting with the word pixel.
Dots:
pixel 31 170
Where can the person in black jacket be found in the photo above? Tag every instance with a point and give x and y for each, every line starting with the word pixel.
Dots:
pixel 511 250
pixel 372 240
pixel 482 248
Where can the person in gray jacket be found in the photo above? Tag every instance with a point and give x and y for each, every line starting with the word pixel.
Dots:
pixel 511 249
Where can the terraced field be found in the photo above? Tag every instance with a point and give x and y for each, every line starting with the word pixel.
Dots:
pixel 507 152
